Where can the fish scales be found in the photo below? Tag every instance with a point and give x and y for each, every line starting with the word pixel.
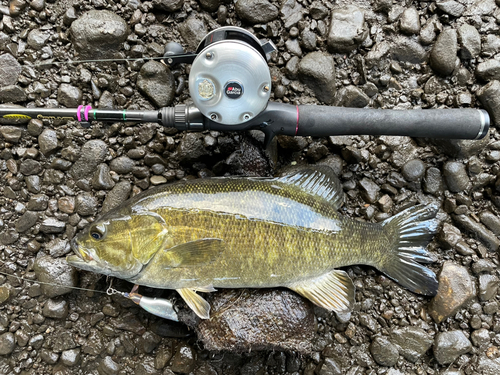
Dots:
pixel 198 235
pixel 300 229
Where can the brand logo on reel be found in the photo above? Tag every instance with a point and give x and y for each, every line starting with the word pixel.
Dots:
pixel 233 90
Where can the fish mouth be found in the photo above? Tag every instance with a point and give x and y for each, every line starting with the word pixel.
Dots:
pixel 80 253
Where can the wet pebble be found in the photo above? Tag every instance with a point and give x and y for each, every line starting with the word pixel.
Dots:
pixel 98 33
pixel 191 147
pixel 470 41
pixel 119 194
pixel 86 204
pixel 451 7
pixel 55 271
pixel 108 366
pixel 448 346
pixel 456 176
pixel 11 133
pixel 184 359
pixel 4 293
pixel 148 342
pixel 10 68
pixel 55 309
pixel 477 230
pixel 30 167
pixel 26 221
pixel 92 154
pixel 488 366
pixel 49 357
pixel 433 182
pixel 193 30
pixel 122 165
pixel 412 342
pixel 94 344
pixel 317 71
pixel 384 352
pixel 156 82
pixel 480 337
pixel 488 70
pixel 483 265
pixel 71 357
pixel 443 56
pixel 9 236
pixel 168 5
pixel 69 96
pixel 102 180
pixel 352 97
pixel 256 11
pixel 413 170
pixel 38 202
pixel 347 28
pixel 406 49
pixel 409 22
pixel 52 226
pixel 58 247
pixel 330 366
pixel 489 95
pixel 36 341
pixel 369 190
pixel 488 287
pixel 47 141
pixel 22 338
pixel 456 288
pixel 491 221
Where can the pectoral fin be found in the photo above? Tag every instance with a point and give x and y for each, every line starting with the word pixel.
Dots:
pixel 195 302
pixel 194 253
pixel 332 291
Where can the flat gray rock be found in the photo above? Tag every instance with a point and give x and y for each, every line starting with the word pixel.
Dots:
pixel 347 29
pixel 317 71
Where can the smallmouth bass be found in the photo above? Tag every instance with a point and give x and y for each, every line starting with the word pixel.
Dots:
pixel 198 235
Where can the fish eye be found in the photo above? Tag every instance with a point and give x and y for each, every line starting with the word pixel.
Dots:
pixel 97 232
pixel 96 235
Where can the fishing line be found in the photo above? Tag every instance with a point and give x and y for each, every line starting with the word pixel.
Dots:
pixel 51 284
pixel 97 60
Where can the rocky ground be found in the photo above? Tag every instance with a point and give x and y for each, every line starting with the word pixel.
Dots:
pixel 57 177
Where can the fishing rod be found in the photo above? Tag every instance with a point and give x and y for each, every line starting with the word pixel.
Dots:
pixel 230 86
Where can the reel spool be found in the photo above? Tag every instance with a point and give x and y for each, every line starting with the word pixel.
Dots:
pixel 230 82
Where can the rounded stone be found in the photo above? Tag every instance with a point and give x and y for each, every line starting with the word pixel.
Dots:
pixel 56 272
pixel 317 71
pixel 456 177
pixel 157 82
pixel 443 57
pixel 98 33
pixel 409 22
pixel 347 28
pixel 256 11
pixel 448 346
pixel 413 170
pixel 384 352
pixel 7 343
pixel 55 309
pixel 86 204
pixel 47 141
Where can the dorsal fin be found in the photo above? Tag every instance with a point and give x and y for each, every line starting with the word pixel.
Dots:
pixel 319 181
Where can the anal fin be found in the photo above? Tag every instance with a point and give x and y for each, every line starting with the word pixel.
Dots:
pixel 196 302
pixel 332 291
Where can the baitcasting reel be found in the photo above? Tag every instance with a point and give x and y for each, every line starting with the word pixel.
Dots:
pixel 230 86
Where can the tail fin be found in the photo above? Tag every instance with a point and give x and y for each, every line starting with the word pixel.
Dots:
pixel 413 229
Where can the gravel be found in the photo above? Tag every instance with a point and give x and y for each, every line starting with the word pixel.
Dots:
pixel 58 176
